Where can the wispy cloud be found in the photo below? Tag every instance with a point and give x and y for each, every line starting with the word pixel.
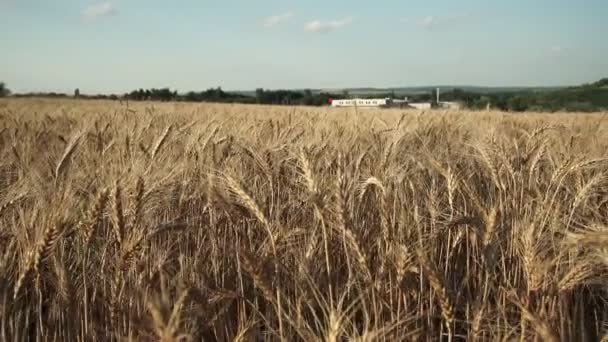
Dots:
pixel 435 21
pixel 558 49
pixel 429 21
pixel 277 19
pixel 318 26
pixel 103 9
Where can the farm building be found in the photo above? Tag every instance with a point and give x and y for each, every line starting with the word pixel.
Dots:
pixel 360 102
pixel 386 102
pixel 420 105
pixel 399 103
pixel 450 105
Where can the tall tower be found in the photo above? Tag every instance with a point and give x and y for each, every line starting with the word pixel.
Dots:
pixel 437 95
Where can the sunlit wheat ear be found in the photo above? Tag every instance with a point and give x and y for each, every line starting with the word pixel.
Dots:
pixel 404 261
pixel 307 173
pixel 437 283
pixel 130 251
pixel 334 326
pixel 542 129
pixel 95 216
pixel 251 205
pixel 350 240
pixel 259 162
pixel 138 201
pixel 209 138
pixel 67 154
pixel 541 326
pixel 40 254
pixel 360 257
pixel 587 189
pixel 491 222
pixel 562 171
pixel 160 142
pixel 11 202
pixel 381 196
pixel 167 328
pixel 339 202
pixel 577 275
pixel 536 158
pixel 476 325
pixel 25 273
pixel 386 156
pixel 118 215
pixel 595 237
pixel 256 272
pixel 534 266
pixel 114 304
pixel 490 164
pixel 62 283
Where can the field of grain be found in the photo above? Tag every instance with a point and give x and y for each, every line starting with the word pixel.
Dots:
pixel 243 223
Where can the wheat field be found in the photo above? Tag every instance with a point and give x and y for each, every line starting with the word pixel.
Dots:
pixel 174 221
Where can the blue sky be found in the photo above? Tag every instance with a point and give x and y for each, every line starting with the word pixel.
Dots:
pixel 119 45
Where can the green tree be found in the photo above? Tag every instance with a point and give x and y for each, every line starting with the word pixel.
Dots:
pixel 4 91
pixel 308 98
pixel 518 103
pixel 77 93
pixel 259 95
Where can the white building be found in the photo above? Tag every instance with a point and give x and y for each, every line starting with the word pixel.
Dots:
pixel 360 102
pixel 387 102
pixel 420 105
pixel 450 105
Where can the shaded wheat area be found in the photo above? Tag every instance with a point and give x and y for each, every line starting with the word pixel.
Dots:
pixel 241 223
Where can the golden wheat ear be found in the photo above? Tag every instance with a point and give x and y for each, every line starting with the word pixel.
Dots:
pixel 95 216
pixel 438 284
pixel 67 154
pixel 41 252
pixel 255 271
pixel 138 202
pixel 118 215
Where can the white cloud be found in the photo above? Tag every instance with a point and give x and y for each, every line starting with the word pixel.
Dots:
pixel 277 19
pixel 429 21
pixel 432 21
pixel 318 26
pixel 103 9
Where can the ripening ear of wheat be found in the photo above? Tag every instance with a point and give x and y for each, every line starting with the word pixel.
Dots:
pixel 94 216
pixel 67 154
pixel 232 222
pixel 118 215
pixel 40 253
pixel 438 284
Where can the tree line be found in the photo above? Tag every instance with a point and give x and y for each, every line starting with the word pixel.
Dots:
pixel 585 98
pixel 261 96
